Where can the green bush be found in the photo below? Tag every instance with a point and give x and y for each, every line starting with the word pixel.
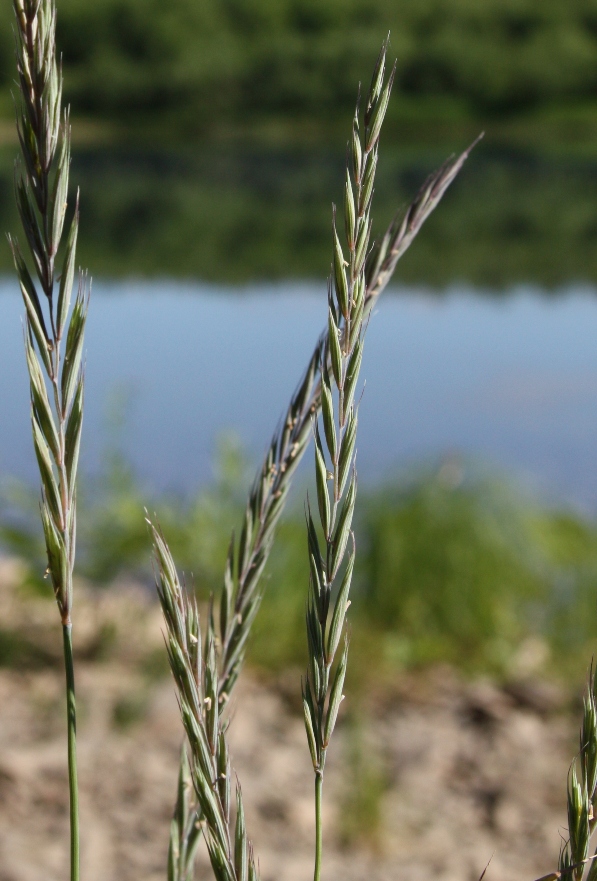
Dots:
pixel 463 573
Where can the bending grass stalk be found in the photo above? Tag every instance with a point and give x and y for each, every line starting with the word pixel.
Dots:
pixel 55 373
pixel 241 595
pixel 247 557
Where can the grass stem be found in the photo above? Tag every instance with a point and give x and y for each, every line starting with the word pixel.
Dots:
pixel 71 712
pixel 318 825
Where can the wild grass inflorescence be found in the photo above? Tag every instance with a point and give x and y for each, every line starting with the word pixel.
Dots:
pixel 206 662
pixel 54 333
pixel 205 680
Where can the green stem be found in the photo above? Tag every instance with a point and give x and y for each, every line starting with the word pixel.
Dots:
pixel 71 711
pixel 318 825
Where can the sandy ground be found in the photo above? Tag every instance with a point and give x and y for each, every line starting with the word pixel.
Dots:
pixel 470 771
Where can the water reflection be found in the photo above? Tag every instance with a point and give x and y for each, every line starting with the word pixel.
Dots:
pixel 235 216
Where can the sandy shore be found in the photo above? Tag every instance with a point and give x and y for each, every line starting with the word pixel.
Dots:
pixel 468 770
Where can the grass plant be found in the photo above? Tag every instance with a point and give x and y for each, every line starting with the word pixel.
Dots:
pixel 575 862
pixel 205 683
pixel 206 660
pixel 53 333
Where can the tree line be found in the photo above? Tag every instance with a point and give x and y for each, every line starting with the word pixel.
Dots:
pixel 202 64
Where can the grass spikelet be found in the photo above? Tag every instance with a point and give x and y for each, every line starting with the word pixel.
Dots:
pixel 335 464
pixel 55 373
pixel 196 675
pixel 370 269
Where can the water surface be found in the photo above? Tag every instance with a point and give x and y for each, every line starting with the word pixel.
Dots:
pixel 509 380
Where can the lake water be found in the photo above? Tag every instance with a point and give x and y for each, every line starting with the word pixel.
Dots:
pixel 509 380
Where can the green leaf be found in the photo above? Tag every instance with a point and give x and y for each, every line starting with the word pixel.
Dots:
pixel 327 411
pixel 241 862
pixel 73 436
pixel 340 610
pixel 39 398
pixel 74 346
pixel 49 484
pixel 335 697
pixel 347 449
pixel 68 274
pixel 349 212
pixel 323 497
pixel 59 195
pixel 334 347
pixel 342 530
pixel 340 274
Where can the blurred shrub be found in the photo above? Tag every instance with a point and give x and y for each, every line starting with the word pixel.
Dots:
pixel 448 572
pixel 451 568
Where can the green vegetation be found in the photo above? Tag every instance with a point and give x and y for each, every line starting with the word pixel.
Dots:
pixel 452 571
pixel 466 573
pixel 211 66
pixel 238 216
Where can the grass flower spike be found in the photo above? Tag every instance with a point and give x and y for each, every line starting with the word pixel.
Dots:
pixel 337 353
pixel 54 332
pixel 575 862
pixel 196 675
pixel 331 567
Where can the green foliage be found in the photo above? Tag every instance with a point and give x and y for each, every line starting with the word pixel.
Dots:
pixel 464 575
pixel 448 573
pixel 200 66
pixel 129 710
pixel 240 216
pixel 20 653
pixel 461 574
pixel 361 805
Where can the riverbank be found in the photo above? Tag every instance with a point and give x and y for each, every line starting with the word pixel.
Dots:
pixel 435 778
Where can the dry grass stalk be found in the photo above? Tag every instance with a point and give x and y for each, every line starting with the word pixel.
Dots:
pixel 55 373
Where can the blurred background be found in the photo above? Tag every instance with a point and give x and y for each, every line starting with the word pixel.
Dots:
pixel 209 145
